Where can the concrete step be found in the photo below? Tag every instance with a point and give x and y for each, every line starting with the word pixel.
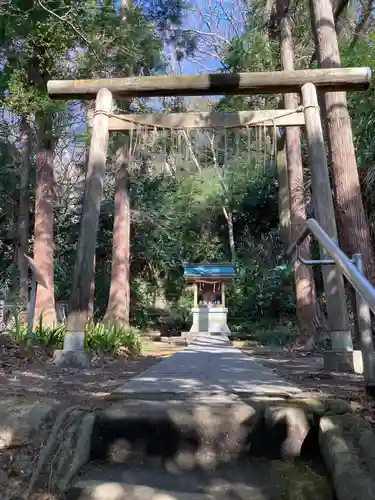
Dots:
pixel 240 481
pixel 203 432
pixel 212 447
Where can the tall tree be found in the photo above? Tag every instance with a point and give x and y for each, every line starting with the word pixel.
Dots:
pixel 167 22
pixel 353 227
pixel 44 223
pixel 118 308
pixel 26 142
pixel 303 275
pixel 34 41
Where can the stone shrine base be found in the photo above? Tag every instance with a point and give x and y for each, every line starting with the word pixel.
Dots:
pixel 209 320
pixel 191 336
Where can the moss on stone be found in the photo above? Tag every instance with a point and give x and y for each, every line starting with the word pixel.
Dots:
pixel 302 481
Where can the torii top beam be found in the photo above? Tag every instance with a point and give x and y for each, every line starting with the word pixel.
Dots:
pixel 272 82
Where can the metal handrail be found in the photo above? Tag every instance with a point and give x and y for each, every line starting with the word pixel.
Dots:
pixel 354 272
pixel 348 269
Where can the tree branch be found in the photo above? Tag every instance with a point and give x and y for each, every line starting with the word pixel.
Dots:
pixel 69 23
pixel 367 12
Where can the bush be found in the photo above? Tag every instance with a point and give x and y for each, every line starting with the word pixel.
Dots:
pixel 276 334
pixel 171 323
pixel 111 339
pixel 99 337
pixel 260 293
pixel 42 335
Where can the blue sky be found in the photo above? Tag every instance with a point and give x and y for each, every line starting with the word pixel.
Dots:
pixel 216 17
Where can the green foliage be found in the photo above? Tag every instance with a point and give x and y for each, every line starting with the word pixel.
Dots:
pixel 174 218
pixel 260 291
pixel 41 336
pixel 172 323
pixel 112 339
pixel 275 334
pixel 266 332
pixel 99 337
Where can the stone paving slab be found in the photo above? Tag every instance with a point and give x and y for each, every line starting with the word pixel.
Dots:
pixel 208 365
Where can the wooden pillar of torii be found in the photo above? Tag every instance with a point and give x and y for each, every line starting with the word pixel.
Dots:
pixel 333 79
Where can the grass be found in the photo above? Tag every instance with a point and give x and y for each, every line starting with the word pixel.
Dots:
pixel 302 481
pixel 107 338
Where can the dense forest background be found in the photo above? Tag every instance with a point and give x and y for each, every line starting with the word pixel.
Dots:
pixel 177 212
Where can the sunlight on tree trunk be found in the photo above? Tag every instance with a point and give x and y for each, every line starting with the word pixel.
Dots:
pixel 118 308
pixel 92 290
pixel 43 230
pixel 227 212
pixel 229 216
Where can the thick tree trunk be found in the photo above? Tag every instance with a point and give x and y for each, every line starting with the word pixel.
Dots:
pixel 118 309
pixel 354 235
pixel 23 217
pixel 303 275
pixel 43 229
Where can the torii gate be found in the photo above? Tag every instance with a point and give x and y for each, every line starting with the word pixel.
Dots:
pixel 305 82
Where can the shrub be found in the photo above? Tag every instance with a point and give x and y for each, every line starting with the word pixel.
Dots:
pixel 99 337
pixel 111 338
pixel 171 323
pixel 276 334
pixel 43 335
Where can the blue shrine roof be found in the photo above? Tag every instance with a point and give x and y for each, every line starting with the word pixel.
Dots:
pixel 212 270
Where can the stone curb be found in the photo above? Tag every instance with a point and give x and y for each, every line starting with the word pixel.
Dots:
pixel 347 444
pixel 65 452
pixel 25 422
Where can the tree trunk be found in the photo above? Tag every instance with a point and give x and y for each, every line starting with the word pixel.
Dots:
pixel 284 194
pixel 43 229
pixel 118 309
pixel 229 217
pixel 303 275
pixel 354 235
pixel 23 218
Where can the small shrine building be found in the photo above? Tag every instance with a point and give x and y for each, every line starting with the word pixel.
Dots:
pixel 209 308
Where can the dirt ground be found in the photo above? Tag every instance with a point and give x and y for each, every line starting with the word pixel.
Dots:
pixel 30 372
pixel 306 371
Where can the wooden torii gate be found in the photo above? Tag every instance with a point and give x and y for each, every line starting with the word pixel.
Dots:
pixel 305 82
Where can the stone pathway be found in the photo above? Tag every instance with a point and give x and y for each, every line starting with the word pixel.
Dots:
pixel 179 429
pixel 207 365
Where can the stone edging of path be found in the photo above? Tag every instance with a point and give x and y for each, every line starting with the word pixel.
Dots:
pixel 346 440
pixel 65 452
